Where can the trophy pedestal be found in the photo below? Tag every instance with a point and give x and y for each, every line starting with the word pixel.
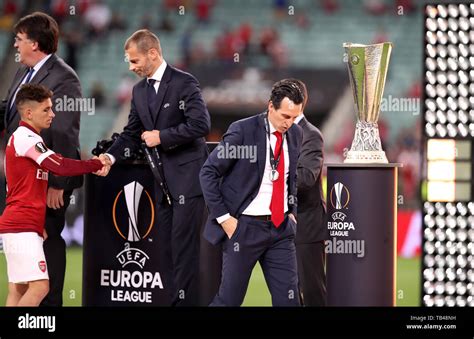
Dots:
pixel 362 223
pixel 366 157
pixel 109 252
pixel 110 258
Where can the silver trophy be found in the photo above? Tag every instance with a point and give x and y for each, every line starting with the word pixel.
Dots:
pixel 367 66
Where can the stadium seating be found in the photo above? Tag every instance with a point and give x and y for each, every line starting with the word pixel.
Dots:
pixel 319 46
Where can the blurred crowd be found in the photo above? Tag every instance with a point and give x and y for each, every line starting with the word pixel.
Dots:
pixel 244 39
pixel 94 20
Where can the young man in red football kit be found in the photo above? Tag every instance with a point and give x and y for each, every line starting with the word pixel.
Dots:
pixel 27 163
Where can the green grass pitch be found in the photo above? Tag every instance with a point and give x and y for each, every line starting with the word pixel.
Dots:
pixel 408 282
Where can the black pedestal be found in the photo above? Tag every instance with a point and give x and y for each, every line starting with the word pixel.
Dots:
pixel 126 260
pixel 362 219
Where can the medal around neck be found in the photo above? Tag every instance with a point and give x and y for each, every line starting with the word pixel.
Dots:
pixel 274 175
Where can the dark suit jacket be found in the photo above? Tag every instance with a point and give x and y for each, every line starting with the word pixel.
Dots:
pixel 230 185
pixel 183 121
pixel 311 205
pixel 63 135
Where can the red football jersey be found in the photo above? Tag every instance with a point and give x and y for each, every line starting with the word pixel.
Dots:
pixel 27 164
pixel 27 182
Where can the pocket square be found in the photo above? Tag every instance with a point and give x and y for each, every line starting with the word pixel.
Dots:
pixel 166 105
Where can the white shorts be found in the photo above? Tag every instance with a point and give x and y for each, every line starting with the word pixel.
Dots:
pixel 25 257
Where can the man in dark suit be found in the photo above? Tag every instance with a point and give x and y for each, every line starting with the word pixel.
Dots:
pixel 312 230
pixel 168 112
pixel 249 184
pixel 36 41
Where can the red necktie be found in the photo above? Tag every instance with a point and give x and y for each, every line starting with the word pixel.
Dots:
pixel 278 194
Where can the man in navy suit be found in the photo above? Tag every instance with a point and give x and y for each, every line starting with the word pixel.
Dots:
pixel 249 184
pixel 168 112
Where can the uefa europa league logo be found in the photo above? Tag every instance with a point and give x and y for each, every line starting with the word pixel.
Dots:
pixel 133 192
pixel 367 66
pixel 137 227
pixel 339 196
pixel 338 186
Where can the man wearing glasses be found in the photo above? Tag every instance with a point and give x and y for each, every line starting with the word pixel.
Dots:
pixel 36 40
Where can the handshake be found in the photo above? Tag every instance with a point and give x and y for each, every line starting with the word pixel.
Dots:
pixel 106 164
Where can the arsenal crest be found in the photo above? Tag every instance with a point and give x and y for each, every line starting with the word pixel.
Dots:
pixel 42 266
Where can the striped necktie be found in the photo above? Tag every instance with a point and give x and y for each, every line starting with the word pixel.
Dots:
pixel 27 78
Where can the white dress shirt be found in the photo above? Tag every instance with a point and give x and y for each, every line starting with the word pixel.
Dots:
pixel 158 75
pixel 260 205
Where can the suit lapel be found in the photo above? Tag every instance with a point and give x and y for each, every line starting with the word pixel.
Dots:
pixel 10 115
pixel 292 154
pixel 36 79
pixel 261 144
pixel 16 83
pixel 142 105
pixel 161 93
pixel 303 122
pixel 150 119
pixel 44 70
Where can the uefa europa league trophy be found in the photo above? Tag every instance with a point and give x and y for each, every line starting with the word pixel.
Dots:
pixel 367 65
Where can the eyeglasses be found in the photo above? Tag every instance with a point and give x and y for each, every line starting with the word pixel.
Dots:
pixel 18 39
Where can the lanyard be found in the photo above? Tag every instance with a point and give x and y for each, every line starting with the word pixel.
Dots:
pixel 273 162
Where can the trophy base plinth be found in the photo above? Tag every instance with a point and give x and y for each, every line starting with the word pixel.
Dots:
pixel 366 157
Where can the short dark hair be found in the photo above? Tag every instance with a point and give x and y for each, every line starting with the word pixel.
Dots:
pixel 286 88
pixel 41 28
pixel 145 40
pixel 302 88
pixel 32 92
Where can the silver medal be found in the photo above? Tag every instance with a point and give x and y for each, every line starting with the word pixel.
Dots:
pixel 274 175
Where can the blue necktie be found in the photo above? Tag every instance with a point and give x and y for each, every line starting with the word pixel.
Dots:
pixel 152 97
pixel 29 74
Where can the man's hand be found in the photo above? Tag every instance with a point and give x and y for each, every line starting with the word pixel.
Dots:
pixel 292 217
pixel 106 164
pixel 54 198
pixel 229 226
pixel 151 138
